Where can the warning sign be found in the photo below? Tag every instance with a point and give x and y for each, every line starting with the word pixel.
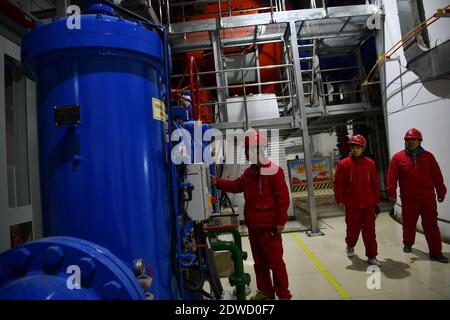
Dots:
pixel 321 174
pixel 159 110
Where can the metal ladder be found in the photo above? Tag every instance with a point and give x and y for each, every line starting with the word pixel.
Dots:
pixel 308 60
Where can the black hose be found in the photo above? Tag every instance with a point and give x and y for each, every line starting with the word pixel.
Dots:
pixel 213 277
pixel 225 198
pixel 223 194
pixel 199 285
pixel 188 284
pixel 230 203
pixel 206 294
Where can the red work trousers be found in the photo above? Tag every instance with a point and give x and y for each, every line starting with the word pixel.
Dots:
pixel 358 220
pixel 427 209
pixel 267 251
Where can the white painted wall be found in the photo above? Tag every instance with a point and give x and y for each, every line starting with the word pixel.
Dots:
pixel 413 105
pixel 439 31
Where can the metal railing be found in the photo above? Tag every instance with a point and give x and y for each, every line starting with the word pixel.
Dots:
pixel 222 9
pixel 183 8
pixel 283 87
pixel 344 91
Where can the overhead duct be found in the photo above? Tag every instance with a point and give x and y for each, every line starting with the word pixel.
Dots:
pixel 426 62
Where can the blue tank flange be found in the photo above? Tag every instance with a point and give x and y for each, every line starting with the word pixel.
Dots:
pixel 65 268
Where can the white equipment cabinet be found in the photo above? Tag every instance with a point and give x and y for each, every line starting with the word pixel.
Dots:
pixel 199 208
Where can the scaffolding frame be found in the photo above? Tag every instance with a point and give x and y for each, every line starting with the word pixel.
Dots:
pixel 303 100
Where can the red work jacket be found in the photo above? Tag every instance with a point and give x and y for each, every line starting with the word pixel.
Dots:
pixel 417 175
pixel 356 182
pixel 266 196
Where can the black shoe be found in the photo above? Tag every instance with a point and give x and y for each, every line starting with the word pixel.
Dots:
pixel 441 258
pixel 406 249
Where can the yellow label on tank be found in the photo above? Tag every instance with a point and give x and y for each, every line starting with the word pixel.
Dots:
pixel 159 110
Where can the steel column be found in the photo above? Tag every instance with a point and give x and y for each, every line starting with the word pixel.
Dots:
pixel 220 76
pixel 304 126
pixel 61 7
pixel 364 93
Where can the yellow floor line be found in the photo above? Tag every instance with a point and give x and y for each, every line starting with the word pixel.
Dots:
pixel 344 295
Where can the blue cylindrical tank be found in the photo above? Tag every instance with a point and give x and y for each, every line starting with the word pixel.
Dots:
pixel 102 140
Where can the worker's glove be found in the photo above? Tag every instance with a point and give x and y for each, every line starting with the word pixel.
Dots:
pixel 276 229
pixel 280 228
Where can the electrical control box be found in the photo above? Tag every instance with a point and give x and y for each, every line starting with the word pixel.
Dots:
pixel 200 207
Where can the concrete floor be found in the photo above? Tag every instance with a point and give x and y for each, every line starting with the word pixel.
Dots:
pixel 318 267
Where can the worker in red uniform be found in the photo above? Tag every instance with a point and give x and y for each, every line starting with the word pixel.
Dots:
pixel 418 174
pixel 266 203
pixel 356 188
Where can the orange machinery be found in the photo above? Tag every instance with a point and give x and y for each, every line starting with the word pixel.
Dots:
pixel 269 54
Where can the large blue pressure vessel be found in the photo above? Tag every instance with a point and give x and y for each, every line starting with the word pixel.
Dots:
pixel 102 140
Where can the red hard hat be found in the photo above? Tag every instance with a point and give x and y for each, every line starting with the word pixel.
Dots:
pixel 254 138
pixel 413 134
pixel 358 140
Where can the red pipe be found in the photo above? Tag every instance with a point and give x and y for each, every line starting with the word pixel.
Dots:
pixel 194 89
pixel 17 15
